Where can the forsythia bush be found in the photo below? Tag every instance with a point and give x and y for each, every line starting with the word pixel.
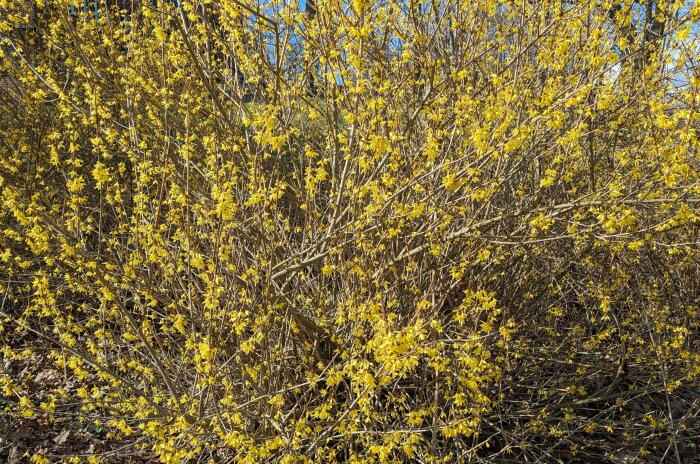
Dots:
pixel 240 231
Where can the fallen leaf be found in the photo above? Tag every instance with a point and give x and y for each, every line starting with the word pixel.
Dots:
pixel 61 437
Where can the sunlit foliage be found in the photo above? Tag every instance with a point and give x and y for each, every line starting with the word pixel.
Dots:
pixel 355 231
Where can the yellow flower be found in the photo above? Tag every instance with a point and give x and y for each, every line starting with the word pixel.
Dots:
pixel 101 174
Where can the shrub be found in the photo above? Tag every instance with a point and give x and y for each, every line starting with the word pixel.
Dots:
pixel 364 232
